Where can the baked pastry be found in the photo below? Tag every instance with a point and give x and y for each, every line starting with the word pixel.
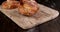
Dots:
pixel 28 7
pixel 10 4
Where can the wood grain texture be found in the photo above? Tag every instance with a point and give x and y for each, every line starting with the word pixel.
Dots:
pixel 43 15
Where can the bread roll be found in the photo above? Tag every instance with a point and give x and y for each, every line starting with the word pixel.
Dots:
pixel 28 8
pixel 10 5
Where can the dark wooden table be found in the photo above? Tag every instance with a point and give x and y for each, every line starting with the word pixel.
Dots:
pixel 7 25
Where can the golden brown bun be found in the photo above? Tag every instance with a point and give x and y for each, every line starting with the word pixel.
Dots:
pixel 12 5
pixel 28 8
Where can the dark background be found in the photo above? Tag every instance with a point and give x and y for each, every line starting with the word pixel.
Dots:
pixel 7 25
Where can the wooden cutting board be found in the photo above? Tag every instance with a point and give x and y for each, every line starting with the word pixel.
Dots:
pixel 43 15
